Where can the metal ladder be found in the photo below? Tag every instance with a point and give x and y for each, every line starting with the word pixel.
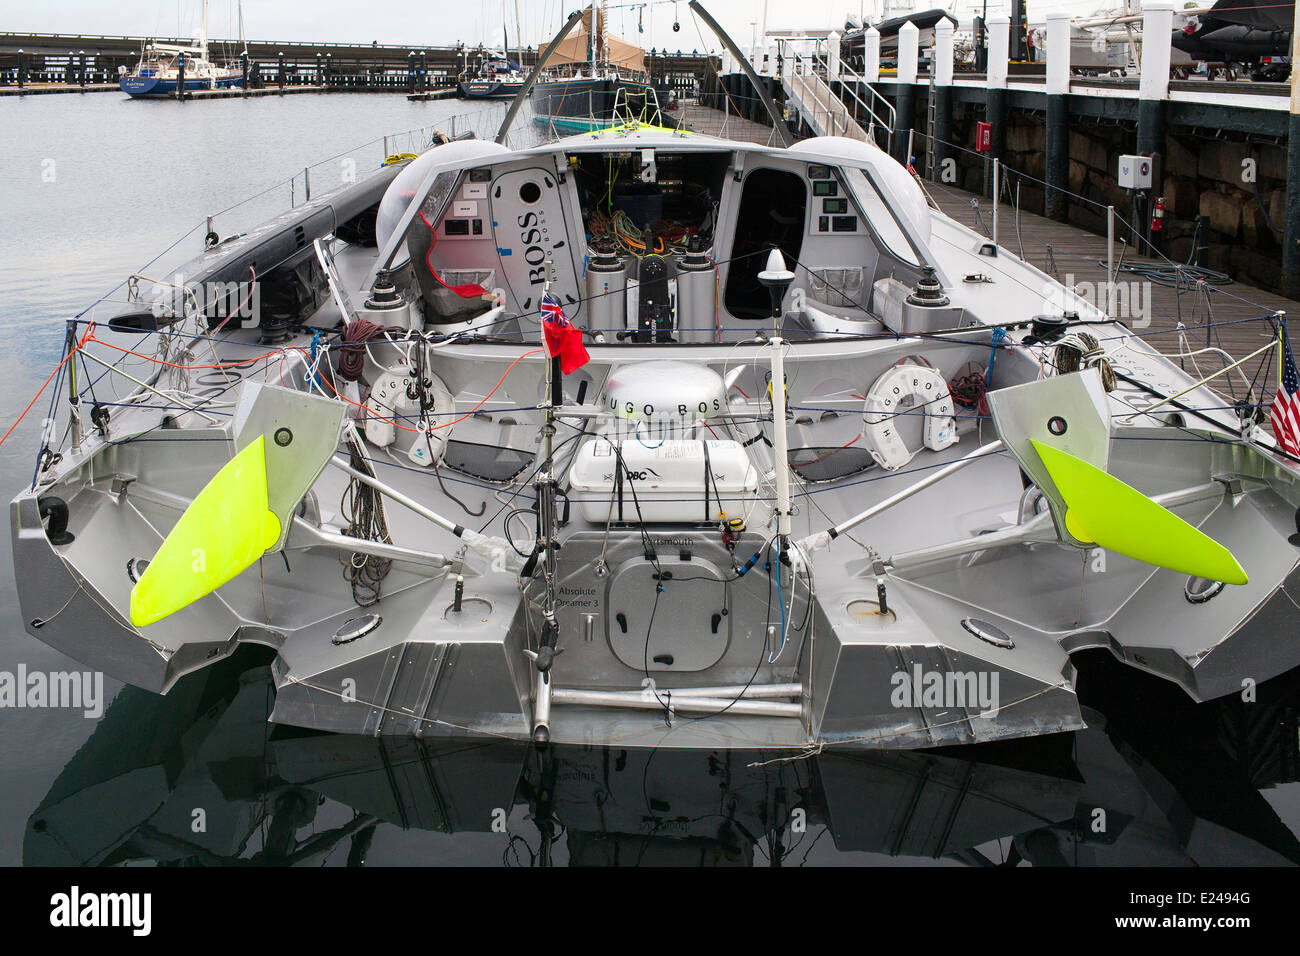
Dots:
pixel 930 171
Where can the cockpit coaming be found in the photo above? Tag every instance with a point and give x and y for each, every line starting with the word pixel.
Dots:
pixel 654 243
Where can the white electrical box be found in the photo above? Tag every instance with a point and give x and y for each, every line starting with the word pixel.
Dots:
pixel 1134 172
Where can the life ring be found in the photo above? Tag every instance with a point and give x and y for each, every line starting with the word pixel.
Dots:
pixel 927 390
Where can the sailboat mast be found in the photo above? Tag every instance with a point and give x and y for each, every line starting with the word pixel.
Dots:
pixel 203 33
pixel 243 41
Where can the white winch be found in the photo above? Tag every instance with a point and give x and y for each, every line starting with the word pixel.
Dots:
pixel 907 388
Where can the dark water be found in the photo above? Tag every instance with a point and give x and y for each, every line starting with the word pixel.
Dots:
pixel 1155 780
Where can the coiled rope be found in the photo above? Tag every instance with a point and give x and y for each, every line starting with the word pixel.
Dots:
pixel 1080 350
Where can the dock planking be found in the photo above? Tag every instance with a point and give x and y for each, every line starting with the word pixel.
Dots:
pixel 1213 316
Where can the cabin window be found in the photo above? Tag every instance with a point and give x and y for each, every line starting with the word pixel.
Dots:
pixel 773 211
pixel 888 232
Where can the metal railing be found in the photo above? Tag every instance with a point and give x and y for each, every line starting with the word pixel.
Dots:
pixel 807 79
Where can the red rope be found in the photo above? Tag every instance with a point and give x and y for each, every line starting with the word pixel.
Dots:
pixel 469 290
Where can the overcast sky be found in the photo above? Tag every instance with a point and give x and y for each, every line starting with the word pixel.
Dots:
pixel 441 23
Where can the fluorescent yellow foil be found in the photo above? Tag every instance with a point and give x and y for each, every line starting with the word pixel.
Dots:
pixel 1102 509
pixel 224 530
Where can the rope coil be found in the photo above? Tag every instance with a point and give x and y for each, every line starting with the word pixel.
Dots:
pixel 1080 350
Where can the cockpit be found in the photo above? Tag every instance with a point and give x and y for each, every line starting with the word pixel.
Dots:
pixel 660 240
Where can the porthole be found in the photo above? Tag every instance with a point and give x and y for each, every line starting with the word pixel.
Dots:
pixel 530 192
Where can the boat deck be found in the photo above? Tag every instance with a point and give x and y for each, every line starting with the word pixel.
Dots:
pixel 1227 316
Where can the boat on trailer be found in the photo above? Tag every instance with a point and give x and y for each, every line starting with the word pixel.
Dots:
pixel 805 463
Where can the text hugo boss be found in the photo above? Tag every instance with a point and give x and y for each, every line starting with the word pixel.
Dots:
pixel 534 252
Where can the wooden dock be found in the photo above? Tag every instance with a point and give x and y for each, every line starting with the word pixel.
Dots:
pixel 1227 316
pixel 446 93
pixel 37 89
pixel 724 125
pixel 1230 316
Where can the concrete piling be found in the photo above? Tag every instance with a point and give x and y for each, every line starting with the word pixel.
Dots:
pixel 1057 145
pixel 909 38
pixel 995 96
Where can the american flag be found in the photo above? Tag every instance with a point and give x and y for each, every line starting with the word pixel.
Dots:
pixel 1286 406
pixel 561 337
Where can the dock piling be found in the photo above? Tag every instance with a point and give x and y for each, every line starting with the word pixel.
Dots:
pixel 1291 228
pixel 1153 93
pixel 995 101
pixel 941 134
pixel 1057 144
pixel 909 38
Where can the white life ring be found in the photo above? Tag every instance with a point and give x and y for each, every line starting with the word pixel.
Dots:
pixel 927 390
pixel 390 402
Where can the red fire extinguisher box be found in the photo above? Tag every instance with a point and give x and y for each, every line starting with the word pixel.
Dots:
pixel 983 137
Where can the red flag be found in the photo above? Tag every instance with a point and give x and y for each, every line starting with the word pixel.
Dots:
pixel 561 337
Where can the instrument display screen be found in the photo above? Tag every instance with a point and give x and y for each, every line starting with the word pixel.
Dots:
pixel 826 187
pixel 835 206
pixel 819 172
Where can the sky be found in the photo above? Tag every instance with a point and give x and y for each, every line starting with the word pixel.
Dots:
pixel 442 23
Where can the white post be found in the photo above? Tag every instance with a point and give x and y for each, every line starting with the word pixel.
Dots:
pixel 1158 27
pixel 1058 52
pixel 833 56
pixel 871 55
pixel 943 47
pixel 999 50
pixel 780 449
pixel 909 40
pixel 997 195
pixel 728 63
pixel 1110 260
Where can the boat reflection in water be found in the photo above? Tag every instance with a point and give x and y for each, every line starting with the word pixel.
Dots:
pixel 212 783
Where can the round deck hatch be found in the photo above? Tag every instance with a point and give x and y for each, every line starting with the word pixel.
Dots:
pixel 987 632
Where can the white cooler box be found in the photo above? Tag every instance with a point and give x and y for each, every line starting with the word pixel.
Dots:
pixel 669 479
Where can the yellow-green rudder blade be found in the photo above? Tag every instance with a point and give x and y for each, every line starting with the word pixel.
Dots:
pixel 224 530
pixel 1102 509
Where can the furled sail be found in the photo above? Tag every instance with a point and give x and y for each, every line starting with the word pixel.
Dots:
pixel 578 47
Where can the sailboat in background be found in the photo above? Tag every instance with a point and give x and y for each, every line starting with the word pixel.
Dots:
pixel 163 67
pixel 596 77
